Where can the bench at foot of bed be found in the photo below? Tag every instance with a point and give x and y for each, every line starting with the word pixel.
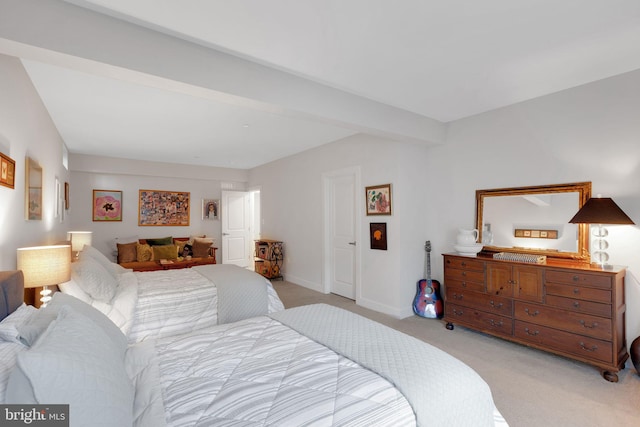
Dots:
pixel 169 265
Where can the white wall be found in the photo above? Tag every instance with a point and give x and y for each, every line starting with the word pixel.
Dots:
pixel 90 173
pixel 589 133
pixel 292 211
pixel 26 130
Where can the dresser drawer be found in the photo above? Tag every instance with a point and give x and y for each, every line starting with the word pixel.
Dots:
pixel 579 292
pixel 571 277
pixel 464 264
pixel 581 306
pixel 464 284
pixel 579 323
pixel 464 275
pixel 479 319
pixel 566 342
pixel 490 303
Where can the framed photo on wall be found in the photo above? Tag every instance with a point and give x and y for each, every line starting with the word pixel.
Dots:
pixel 378 235
pixel 378 199
pixel 107 205
pixel 7 171
pixel 163 208
pixel 210 209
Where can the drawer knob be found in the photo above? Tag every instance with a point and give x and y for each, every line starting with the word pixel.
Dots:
pixel 464 264
pixel 576 304
pixel 576 278
pixel 494 305
pixel 458 312
pixel 584 347
pixel 499 324
pixel 458 297
pixel 576 291
pixel 464 284
pixel 535 313
pixel 593 324
pixel 531 333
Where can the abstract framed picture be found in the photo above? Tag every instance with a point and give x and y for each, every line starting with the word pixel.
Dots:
pixel 66 195
pixel 7 171
pixel 163 208
pixel 378 235
pixel 378 198
pixel 210 209
pixel 107 205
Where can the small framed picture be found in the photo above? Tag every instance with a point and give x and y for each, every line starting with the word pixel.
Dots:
pixel 7 171
pixel 378 199
pixel 378 235
pixel 210 209
pixel 107 205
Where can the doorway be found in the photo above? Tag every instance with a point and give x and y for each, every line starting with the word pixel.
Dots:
pixel 240 219
pixel 342 252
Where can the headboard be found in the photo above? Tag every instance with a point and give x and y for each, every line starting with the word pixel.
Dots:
pixel 11 291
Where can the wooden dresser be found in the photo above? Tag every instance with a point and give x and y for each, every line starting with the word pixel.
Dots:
pixel 568 308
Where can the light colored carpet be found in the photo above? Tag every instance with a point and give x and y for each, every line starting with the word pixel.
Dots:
pixel 530 387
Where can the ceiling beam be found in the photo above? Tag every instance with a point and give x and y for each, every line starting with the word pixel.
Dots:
pixel 66 35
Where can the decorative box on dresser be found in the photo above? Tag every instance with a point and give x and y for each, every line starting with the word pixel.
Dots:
pixel 569 308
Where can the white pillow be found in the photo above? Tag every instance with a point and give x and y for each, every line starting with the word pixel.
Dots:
pixel 75 290
pixel 94 279
pixel 93 253
pixel 75 363
pixel 10 324
pixel 40 321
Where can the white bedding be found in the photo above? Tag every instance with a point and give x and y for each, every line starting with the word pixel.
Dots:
pixel 163 303
pixel 258 372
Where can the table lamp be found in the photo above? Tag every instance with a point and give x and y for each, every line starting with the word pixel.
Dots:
pixel 45 266
pixel 78 240
pixel 600 211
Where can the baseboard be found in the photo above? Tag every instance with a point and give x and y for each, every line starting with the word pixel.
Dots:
pixel 383 308
pixel 304 283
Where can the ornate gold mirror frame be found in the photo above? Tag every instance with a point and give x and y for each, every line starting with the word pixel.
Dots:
pixel 540 230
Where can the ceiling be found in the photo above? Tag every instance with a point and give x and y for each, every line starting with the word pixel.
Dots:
pixel 423 60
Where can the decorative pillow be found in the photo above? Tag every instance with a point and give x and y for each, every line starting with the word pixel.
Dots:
pixel 144 252
pixel 181 244
pixel 160 242
pixel 192 238
pixel 76 363
pixel 93 253
pixel 10 324
pixel 127 252
pixel 201 247
pixel 43 317
pixel 165 252
pixel 94 279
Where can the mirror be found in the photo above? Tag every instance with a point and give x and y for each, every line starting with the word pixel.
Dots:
pixel 33 190
pixel 534 220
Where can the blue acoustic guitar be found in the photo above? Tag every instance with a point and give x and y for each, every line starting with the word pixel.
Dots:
pixel 427 302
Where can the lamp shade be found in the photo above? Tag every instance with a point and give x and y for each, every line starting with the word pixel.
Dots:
pixel 600 210
pixel 79 239
pixel 45 265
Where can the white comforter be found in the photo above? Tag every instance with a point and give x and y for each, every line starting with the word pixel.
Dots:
pixel 164 303
pixel 258 372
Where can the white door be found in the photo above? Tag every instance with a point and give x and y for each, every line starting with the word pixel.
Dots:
pixel 341 236
pixel 236 228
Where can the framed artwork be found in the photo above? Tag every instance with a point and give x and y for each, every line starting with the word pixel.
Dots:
pixel 33 190
pixel 7 171
pixel 378 235
pixel 378 199
pixel 163 208
pixel 210 209
pixel 107 205
pixel 66 195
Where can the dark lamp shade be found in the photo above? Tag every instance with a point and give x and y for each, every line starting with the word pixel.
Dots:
pixel 601 210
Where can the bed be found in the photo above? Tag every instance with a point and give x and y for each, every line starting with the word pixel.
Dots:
pixel 311 365
pixel 162 303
